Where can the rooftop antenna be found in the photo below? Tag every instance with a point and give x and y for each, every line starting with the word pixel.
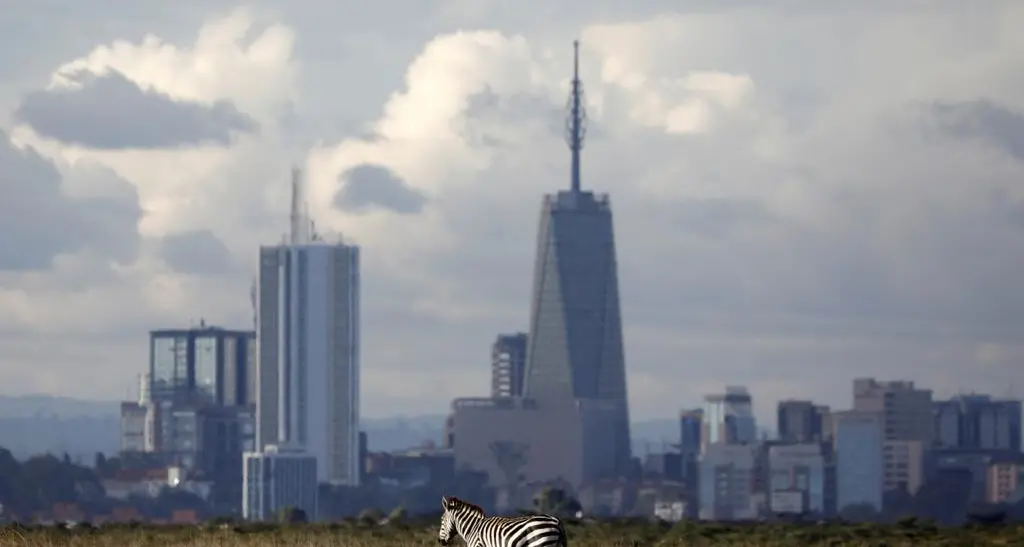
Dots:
pixel 576 123
pixel 296 218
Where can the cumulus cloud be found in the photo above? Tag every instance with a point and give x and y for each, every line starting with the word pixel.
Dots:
pixel 110 111
pixel 782 219
pixel 197 252
pixel 40 221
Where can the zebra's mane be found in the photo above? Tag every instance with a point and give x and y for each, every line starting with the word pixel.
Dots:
pixel 456 503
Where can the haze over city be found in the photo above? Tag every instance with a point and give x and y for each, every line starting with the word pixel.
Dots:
pixel 787 216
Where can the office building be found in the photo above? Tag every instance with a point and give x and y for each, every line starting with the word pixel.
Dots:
pixel 726 482
pixel 906 411
pixel 691 425
pixel 904 466
pixel 207 364
pixel 308 323
pixel 277 478
pixel 1005 480
pixel 977 422
pixel 574 412
pixel 796 479
pixel 860 469
pixel 508 365
pixel 133 427
pixel 801 421
pixel 729 417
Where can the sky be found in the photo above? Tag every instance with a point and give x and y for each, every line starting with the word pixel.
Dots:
pixel 804 192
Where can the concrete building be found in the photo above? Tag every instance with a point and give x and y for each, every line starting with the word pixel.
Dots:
pixel 133 427
pixel 308 323
pixel 1005 478
pixel 277 478
pixel 726 482
pixel 801 421
pixel 729 417
pixel 796 481
pixel 691 427
pixel 517 441
pixel 977 422
pixel 904 465
pixel 974 464
pixel 906 411
pixel 508 365
pixel 860 470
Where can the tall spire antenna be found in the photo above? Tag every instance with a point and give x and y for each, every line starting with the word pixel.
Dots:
pixel 576 122
pixel 296 228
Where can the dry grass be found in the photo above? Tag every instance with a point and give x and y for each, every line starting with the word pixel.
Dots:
pixel 601 534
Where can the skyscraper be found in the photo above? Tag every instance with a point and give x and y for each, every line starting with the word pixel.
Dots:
pixel 729 417
pixel 575 343
pixel 571 421
pixel 308 381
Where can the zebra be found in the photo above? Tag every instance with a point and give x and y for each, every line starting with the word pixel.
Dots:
pixel 478 530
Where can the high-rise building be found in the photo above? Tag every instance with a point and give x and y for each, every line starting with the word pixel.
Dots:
pixel 977 422
pixel 729 417
pixel 796 478
pixel 691 425
pixel 904 466
pixel 726 482
pixel 572 421
pixel 276 478
pixel 906 411
pixel 133 427
pixel 201 365
pixel 575 343
pixel 308 380
pixel 860 464
pixel 508 365
pixel 800 421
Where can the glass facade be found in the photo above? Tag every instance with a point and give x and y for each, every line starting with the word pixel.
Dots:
pixel 206 359
pixel 210 363
pixel 729 418
pixel 575 340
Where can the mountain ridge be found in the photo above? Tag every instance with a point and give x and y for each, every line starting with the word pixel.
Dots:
pixel 37 424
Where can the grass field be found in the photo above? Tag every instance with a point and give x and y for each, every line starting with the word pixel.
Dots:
pixel 598 534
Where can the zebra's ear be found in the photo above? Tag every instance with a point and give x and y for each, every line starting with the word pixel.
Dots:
pixel 444 502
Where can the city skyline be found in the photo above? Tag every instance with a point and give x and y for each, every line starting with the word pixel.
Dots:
pixel 788 218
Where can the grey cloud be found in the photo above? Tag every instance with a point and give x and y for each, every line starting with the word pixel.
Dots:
pixel 982 119
pixel 196 252
pixel 39 221
pixel 868 266
pixel 110 111
pixel 367 186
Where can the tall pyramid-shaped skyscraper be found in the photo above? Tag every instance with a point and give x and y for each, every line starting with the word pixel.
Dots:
pixel 575 348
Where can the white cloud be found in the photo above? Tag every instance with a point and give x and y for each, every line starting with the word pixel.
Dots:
pixel 788 214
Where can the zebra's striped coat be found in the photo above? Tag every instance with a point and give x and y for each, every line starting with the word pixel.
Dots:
pixel 479 530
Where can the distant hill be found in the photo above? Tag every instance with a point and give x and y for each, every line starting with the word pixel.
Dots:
pixel 34 424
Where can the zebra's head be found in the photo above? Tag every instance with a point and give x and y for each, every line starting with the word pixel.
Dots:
pixel 458 517
pixel 450 505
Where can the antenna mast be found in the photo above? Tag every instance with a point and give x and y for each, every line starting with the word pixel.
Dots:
pixel 295 236
pixel 576 122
